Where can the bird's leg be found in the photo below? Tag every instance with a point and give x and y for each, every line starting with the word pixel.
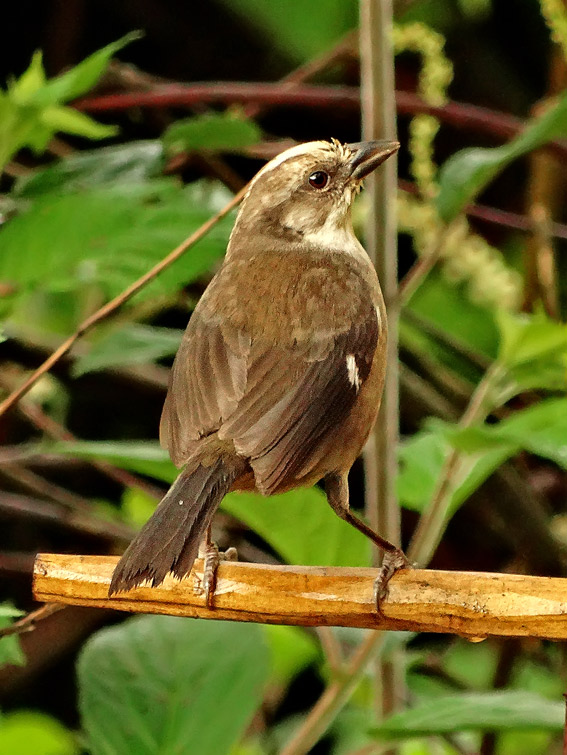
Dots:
pixel 336 488
pixel 209 552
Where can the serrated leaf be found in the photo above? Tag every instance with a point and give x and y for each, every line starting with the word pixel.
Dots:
pixel 466 174
pixel 25 732
pixel 488 711
pixel 158 684
pixel 133 344
pixel 132 163
pixel 211 131
pixel 73 122
pixel 301 526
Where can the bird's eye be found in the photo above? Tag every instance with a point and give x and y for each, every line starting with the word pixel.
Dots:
pixel 319 179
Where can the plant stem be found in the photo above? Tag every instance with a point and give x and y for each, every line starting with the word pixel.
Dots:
pixel 432 522
pixel 380 458
pixel 333 698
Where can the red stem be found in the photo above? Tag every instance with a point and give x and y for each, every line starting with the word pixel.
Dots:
pixel 459 114
pixel 496 216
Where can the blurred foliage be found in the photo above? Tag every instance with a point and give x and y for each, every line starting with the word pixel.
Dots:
pixel 31 109
pixel 77 230
pixel 190 666
pixel 467 173
pixel 31 733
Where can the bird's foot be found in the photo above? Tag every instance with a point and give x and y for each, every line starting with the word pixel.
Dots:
pixel 211 560
pixel 392 562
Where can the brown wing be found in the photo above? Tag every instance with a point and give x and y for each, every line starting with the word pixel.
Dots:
pixel 276 398
pixel 207 381
pixel 283 416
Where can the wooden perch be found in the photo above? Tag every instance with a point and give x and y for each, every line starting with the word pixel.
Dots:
pixel 471 604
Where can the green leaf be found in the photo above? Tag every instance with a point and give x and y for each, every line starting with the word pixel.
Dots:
pixel 525 338
pixel 289 27
pixel 533 354
pixel 301 527
pixel 133 344
pixel 83 76
pixel 489 711
pixel 136 507
pixel 211 131
pixel 467 173
pixel 73 122
pixel 109 237
pixel 445 306
pixel 11 652
pixel 540 429
pixel 169 685
pixel 143 457
pixel 132 163
pixel 292 651
pixel 25 732
pixel 22 90
pixel 422 459
pixel 9 611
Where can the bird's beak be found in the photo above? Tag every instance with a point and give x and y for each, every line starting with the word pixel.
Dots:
pixel 369 155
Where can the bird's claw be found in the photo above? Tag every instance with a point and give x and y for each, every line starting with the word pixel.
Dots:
pixel 211 560
pixel 392 562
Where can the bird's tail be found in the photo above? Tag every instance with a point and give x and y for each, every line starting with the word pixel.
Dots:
pixel 169 541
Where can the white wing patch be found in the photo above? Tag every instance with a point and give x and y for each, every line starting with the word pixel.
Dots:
pixel 352 370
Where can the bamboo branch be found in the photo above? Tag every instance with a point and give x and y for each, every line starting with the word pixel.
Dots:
pixel 472 604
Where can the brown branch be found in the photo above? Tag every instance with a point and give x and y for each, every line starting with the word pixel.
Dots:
pixel 471 604
pixel 117 302
pixel 83 521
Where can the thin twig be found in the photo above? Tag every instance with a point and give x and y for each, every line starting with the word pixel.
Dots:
pixel 81 521
pixel 496 216
pixel 332 649
pixel 117 302
pixel 334 698
pixel 424 265
pixel 432 522
pixel 27 623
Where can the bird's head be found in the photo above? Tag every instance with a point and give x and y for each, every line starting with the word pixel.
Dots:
pixel 305 193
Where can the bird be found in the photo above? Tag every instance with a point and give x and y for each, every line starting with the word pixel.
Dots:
pixel 278 379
